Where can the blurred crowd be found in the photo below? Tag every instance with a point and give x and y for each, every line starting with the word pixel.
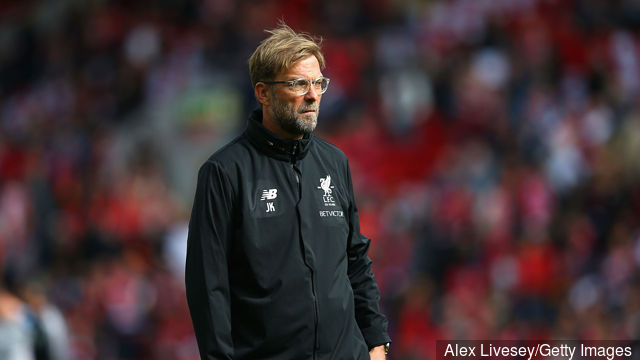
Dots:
pixel 494 146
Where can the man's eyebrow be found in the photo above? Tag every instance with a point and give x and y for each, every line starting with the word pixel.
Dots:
pixel 293 77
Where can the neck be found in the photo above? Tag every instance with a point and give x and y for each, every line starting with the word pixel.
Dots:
pixel 270 124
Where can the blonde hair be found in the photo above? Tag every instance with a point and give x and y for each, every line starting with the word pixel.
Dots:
pixel 280 51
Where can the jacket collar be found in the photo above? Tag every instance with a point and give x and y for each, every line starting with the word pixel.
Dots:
pixel 272 144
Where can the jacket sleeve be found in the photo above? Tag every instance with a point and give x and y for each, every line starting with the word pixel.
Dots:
pixel 206 274
pixel 372 323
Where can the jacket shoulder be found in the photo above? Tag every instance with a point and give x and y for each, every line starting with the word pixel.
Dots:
pixel 331 150
pixel 236 151
pixel 223 164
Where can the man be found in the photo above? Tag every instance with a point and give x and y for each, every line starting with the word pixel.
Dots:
pixel 276 265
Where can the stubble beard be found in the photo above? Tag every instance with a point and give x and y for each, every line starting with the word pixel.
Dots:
pixel 294 121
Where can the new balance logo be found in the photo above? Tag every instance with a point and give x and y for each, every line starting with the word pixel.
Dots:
pixel 269 194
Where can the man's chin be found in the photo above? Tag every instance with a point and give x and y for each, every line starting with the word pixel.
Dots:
pixel 308 123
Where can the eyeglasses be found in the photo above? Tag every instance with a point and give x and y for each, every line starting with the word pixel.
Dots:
pixel 302 86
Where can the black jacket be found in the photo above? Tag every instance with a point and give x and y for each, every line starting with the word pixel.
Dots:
pixel 276 265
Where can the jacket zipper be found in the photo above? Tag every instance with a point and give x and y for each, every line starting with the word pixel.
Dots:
pixel 313 285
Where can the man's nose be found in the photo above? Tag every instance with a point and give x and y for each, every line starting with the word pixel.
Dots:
pixel 312 95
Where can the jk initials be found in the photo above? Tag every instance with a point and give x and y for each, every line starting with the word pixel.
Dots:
pixel 270 207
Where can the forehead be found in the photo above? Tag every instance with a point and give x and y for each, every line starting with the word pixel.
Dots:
pixel 305 68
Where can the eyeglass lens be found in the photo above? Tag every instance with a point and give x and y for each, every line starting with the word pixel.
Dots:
pixel 301 86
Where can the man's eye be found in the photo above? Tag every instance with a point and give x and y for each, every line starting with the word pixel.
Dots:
pixel 300 83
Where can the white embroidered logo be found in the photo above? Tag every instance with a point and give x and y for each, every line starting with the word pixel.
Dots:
pixel 325 185
pixel 269 194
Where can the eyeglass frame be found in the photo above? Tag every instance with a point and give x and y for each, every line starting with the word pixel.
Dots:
pixel 291 83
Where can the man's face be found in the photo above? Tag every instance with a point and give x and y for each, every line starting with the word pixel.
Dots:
pixel 297 114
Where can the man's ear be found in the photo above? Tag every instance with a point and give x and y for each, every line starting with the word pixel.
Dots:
pixel 263 93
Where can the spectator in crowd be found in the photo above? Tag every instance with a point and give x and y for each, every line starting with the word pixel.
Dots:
pixel 52 323
pixel 21 336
